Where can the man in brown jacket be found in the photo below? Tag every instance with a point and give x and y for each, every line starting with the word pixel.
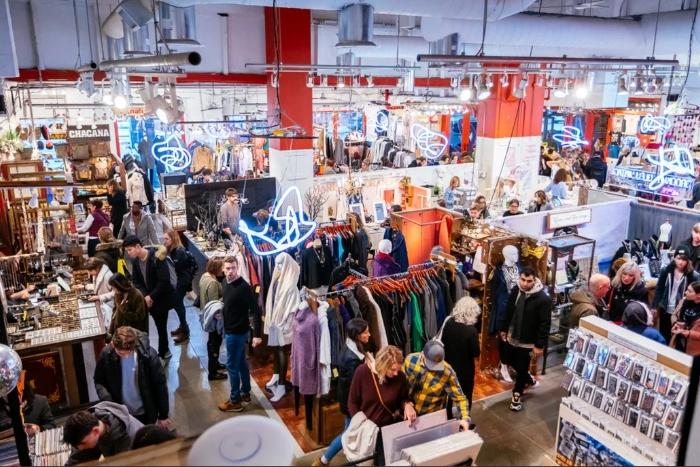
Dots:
pixel 588 300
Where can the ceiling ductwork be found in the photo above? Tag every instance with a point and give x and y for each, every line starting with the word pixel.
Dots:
pixel 347 63
pixel 448 45
pixel 177 59
pixel 178 25
pixel 355 25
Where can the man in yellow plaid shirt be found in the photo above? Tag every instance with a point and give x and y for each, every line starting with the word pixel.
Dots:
pixel 432 381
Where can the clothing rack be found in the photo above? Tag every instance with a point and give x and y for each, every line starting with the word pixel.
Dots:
pixel 411 269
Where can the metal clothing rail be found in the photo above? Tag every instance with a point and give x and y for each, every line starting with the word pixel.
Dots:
pixel 414 268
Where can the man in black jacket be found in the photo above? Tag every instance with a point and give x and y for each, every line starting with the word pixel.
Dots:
pixel 692 246
pixel 525 329
pixel 152 276
pixel 239 304
pixel 596 169
pixel 129 372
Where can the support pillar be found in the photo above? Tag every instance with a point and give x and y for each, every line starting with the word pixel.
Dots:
pixel 509 133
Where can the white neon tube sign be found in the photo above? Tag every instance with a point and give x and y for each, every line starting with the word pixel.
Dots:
pixel 675 160
pixel 296 228
pixel 630 141
pixel 173 157
pixel 652 124
pixel 431 143
pixel 570 137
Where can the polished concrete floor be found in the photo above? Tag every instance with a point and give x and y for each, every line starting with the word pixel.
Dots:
pixel 524 438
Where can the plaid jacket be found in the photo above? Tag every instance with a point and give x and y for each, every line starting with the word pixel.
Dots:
pixel 429 390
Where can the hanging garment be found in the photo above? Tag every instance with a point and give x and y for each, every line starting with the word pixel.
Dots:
pixel 281 301
pixel 305 350
pixel 398 247
pixel 316 267
pixel 136 187
pixel 324 351
pixel 202 158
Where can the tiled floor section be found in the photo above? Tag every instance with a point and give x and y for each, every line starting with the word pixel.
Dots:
pixel 524 438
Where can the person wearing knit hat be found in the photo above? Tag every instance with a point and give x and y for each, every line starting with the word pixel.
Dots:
pixel 383 264
pixel 672 283
pixel 636 319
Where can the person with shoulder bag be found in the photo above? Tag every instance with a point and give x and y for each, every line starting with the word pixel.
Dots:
pixel 686 325
pixel 181 260
pixel 378 397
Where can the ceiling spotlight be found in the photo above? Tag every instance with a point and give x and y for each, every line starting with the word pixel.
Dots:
pixel 340 82
pixel 120 102
pixel 489 81
pixel 310 80
pixel 540 81
pixel 563 89
pixel 520 91
pixel 274 79
pixel 370 81
pixel 622 87
pixel 324 81
pixel 465 94
pixel 454 82
pixel 356 81
pixel 107 99
pixel 504 81
pixel 482 90
pixel 581 88
pixel 638 85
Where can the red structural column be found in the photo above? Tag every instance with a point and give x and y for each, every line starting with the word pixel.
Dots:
pixel 496 115
pixel 291 45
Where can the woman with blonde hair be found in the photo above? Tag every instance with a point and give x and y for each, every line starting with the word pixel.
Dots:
pixel 450 192
pixel 627 285
pixel 461 340
pixel 379 390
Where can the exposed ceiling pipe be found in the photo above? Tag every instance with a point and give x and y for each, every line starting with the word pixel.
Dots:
pixel 472 9
pixel 176 59
pixel 224 42
pixel 461 59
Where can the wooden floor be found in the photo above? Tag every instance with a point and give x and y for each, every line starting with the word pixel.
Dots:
pixel 193 399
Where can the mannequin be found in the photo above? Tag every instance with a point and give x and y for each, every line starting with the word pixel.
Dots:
pixel 503 279
pixel 316 266
pixel 149 162
pixel 282 300
pixel 665 230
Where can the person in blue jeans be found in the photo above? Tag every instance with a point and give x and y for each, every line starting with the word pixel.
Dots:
pixel 352 356
pixel 239 304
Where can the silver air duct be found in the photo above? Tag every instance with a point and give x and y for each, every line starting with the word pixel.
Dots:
pixel 348 63
pixel 448 45
pixel 178 25
pixel 355 25
pixel 177 59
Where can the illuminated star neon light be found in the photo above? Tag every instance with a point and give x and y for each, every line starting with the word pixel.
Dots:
pixel 288 213
pixel 570 137
pixel 173 156
pixel 675 160
pixel 652 124
pixel 432 144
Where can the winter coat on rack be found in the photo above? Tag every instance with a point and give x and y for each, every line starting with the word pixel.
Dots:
pixel 360 246
pixel 306 341
pixel 398 247
pixel 136 187
pixel 316 267
pixel 282 300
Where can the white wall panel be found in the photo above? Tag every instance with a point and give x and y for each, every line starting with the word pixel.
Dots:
pixel 8 57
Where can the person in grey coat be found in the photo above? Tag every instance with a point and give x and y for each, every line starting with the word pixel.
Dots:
pixel 139 223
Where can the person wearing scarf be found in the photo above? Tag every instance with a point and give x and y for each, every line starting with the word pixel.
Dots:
pixel 526 329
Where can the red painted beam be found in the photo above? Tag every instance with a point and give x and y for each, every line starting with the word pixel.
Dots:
pixel 32 75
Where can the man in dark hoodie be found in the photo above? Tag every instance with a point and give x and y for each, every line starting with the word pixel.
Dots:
pixel 596 169
pixel 103 430
pixel 152 276
pixel 526 329
pixel 692 246
pixel 129 372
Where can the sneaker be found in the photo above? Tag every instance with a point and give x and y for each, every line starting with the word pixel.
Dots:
pixel 216 377
pixel 245 398
pixel 278 393
pixel 165 358
pixel 176 332
pixel 318 462
pixel 180 338
pixel 273 381
pixel 230 406
pixel 531 387
pixel 515 404
pixel 505 374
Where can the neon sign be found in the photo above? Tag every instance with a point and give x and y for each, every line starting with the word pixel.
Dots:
pixel 651 124
pixel 570 137
pixel 674 160
pixel 380 121
pixel 290 219
pixel 174 157
pixel 630 141
pixel 431 143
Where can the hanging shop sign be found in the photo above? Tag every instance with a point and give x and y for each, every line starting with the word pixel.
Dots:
pixel 650 125
pixel 570 137
pixel 566 219
pixel 88 133
pixel 671 173
pixel 289 214
pixel 431 143
pixel 172 154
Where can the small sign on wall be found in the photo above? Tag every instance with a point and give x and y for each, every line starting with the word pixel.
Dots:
pixel 558 220
pixel 87 133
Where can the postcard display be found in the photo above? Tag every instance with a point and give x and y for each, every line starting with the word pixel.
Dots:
pixel 626 398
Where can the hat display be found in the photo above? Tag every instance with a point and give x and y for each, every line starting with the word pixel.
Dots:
pixel 434 355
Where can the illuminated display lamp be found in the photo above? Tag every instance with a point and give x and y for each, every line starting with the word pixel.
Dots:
pixel 432 144
pixel 650 86
pixel 341 82
pixel 622 87
pixel 563 89
pixel 324 81
pixel 570 137
pixel 581 90
pixel 120 102
pixel 274 79
pixel 172 154
pixel 652 124
pixel 520 92
pixel 455 82
pixel 504 81
pixel 674 160
pixel 289 215
pixel 310 80
pixel 465 94
pixel 638 85
pixel 483 91
pixel 370 81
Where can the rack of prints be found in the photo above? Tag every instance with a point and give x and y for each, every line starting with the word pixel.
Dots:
pixel 629 388
pixel 49 448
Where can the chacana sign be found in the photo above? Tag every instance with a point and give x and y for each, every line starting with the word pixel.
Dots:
pixel 88 132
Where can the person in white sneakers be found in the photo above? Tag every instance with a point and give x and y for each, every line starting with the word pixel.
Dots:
pixel 526 329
